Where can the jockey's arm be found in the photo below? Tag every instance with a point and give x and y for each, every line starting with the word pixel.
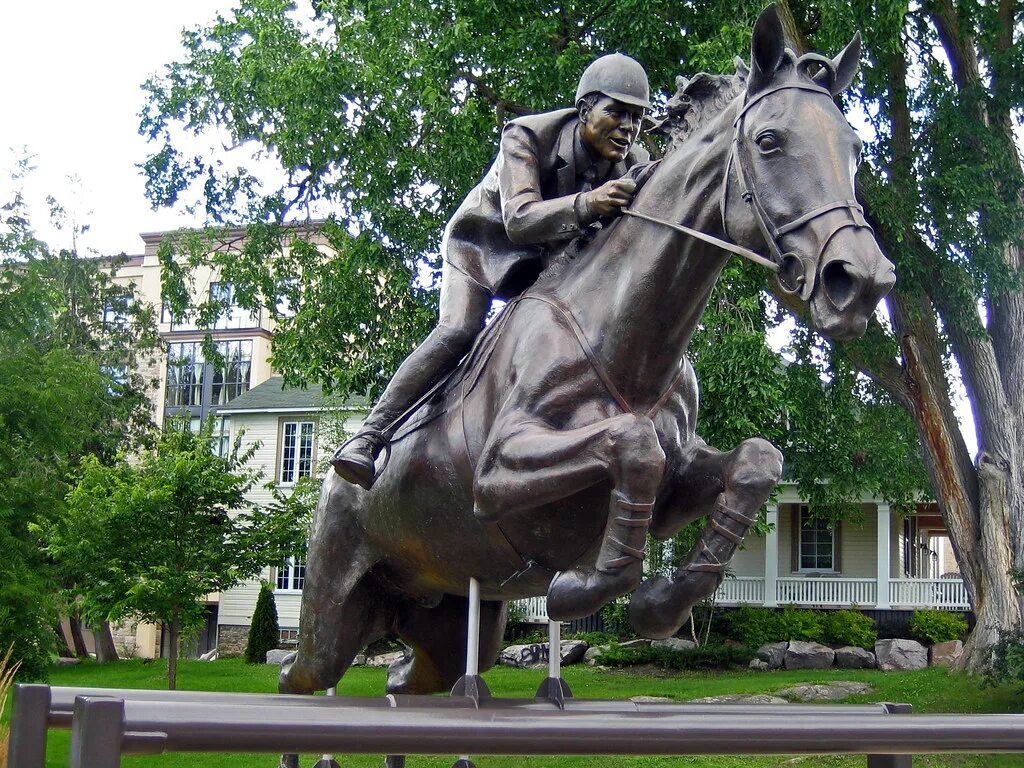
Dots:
pixel 528 217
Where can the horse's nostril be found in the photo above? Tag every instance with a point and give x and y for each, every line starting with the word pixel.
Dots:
pixel 839 284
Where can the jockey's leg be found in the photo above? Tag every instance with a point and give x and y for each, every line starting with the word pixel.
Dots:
pixel 747 475
pixel 531 464
pixel 464 305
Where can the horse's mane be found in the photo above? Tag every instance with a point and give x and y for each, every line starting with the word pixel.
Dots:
pixel 696 101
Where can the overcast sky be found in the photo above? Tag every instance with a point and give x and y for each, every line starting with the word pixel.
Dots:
pixel 71 94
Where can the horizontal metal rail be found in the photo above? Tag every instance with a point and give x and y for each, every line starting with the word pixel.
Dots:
pixel 108 723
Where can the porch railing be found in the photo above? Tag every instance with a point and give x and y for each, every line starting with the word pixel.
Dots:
pixel 949 594
pixel 929 593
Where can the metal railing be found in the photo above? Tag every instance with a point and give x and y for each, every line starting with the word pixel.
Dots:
pixel 108 723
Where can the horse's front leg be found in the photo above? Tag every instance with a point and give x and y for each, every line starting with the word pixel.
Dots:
pixel 729 488
pixel 528 464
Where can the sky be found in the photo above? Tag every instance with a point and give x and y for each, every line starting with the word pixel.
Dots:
pixel 71 90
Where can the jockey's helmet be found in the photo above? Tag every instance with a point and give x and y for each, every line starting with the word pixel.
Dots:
pixel 618 76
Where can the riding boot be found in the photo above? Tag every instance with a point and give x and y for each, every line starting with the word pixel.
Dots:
pixel 580 592
pixel 440 352
pixel 662 605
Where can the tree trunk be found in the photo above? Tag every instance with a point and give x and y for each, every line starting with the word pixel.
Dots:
pixel 104 639
pixel 63 649
pixel 77 638
pixel 173 630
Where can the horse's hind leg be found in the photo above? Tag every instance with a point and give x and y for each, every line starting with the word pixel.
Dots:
pixel 437 637
pixel 729 488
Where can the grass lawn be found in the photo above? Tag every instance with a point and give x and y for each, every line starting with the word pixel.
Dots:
pixel 932 690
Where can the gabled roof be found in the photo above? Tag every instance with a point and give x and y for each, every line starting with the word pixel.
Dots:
pixel 272 397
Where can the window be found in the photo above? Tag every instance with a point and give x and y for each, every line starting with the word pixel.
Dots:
pixel 220 440
pixel 231 315
pixel 296 451
pixel 115 311
pixel 291 575
pixel 185 367
pixel 177 323
pixel 231 375
pixel 817 543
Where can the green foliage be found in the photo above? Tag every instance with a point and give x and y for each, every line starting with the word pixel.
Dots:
pixel 754 626
pixel 594 638
pixel 1005 662
pixel 158 534
pixel 705 658
pixel 264 632
pixel 60 401
pixel 933 626
pixel 615 616
pixel 849 628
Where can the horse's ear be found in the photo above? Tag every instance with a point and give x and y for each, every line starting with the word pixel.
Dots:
pixel 767 49
pixel 845 67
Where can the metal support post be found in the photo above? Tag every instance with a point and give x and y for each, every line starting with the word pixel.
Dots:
pixel 96 733
pixel 471 685
pixel 327 761
pixel 554 688
pixel 27 746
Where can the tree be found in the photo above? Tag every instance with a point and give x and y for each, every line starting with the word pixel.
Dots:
pixel 62 397
pixel 264 632
pixel 386 114
pixel 158 534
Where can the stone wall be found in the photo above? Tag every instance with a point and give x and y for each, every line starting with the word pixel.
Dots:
pixel 231 640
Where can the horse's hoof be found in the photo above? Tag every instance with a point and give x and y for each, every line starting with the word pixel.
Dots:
pixel 660 606
pixel 582 592
pixel 654 611
pixel 289 761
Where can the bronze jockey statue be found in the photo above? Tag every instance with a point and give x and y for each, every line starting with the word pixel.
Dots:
pixel 556 175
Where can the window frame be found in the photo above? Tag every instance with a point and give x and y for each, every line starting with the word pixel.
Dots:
pixel 282 426
pixel 293 569
pixel 803 510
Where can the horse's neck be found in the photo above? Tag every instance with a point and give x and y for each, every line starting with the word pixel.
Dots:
pixel 640 296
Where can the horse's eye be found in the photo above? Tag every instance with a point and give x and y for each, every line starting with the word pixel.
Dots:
pixel 768 142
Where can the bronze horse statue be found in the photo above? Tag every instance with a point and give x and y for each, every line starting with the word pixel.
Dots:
pixel 569 433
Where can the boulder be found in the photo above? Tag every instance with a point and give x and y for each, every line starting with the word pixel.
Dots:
pixel 635 643
pixel 774 654
pixel 209 655
pixel 524 655
pixel 359 660
pixel 900 655
pixel 68 661
pixel 674 644
pixel 385 659
pixel 804 655
pixel 572 651
pixel 852 657
pixel 276 656
pixel 741 698
pixel 836 691
pixel 590 657
pixel 944 654
pixel 759 665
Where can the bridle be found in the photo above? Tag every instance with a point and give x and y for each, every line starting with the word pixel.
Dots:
pixel 796 274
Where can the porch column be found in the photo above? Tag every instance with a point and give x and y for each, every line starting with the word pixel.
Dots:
pixel 771 558
pixel 883 567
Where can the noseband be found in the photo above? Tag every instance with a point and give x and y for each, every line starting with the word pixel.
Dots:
pixel 796 273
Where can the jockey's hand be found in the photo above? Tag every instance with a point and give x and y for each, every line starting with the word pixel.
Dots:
pixel 611 197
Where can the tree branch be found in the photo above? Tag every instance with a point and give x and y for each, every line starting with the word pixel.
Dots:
pixel 492 96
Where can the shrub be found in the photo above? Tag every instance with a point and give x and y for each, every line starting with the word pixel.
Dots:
pixel 849 628
pixel 754 626
pixel 594 638
pixel 795 624
pixel 264 632
pixel 716 657
pixel 615 616
pixel 1005 662
pixel 8 669
pixel 932 626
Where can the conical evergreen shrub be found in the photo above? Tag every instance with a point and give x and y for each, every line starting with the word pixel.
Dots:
pixel 264 633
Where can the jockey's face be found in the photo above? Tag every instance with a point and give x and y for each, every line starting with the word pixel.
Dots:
pixel 610 127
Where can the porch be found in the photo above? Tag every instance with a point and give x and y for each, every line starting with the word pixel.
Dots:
pixel 878 561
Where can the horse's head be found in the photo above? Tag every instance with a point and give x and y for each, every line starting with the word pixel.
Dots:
pixel 795 157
